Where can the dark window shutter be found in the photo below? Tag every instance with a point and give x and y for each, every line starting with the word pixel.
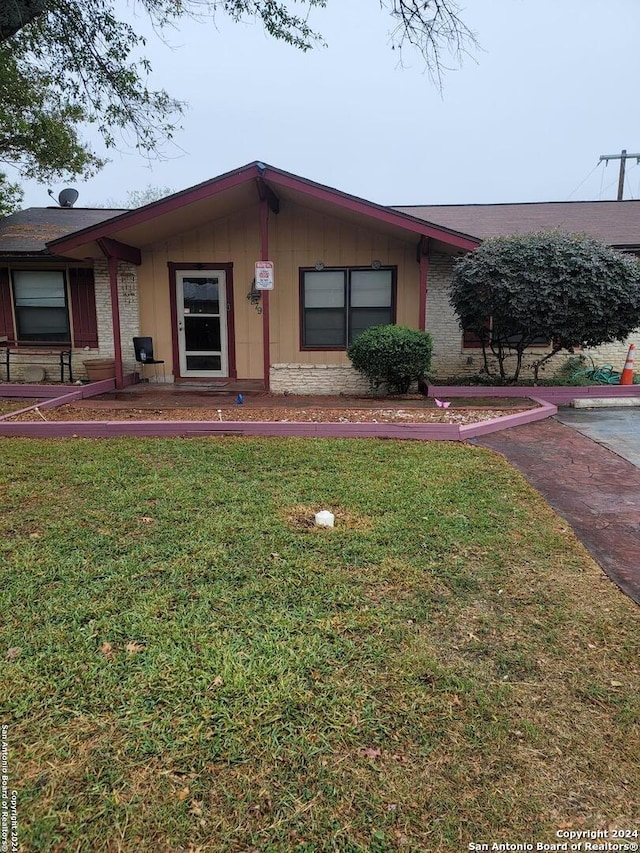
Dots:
pixel 83 305
pixel 6 315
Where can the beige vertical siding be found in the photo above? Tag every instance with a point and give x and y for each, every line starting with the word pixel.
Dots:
pixel 298 237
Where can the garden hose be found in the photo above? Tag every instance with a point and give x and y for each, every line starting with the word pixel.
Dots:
pixel 604 375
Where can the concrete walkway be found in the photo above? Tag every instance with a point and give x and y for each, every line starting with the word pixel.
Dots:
pixel 594 489
pixel 617 429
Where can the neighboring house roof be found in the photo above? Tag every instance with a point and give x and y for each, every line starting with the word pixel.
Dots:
pixel 28 231
pixel 616 223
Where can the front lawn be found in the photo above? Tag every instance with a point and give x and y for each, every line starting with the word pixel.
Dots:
pixel 190 665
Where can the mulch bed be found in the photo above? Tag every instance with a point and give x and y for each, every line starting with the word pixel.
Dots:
pixel 311 414
pixel 7 406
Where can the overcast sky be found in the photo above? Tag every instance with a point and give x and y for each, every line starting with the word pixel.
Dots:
pixel 554 87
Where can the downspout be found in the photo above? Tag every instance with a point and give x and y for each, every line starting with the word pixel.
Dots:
pixel 423 258
pixel 112 266
pixel 264 256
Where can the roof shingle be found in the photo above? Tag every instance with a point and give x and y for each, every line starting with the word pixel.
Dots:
pixel 28 231
pixel 616 223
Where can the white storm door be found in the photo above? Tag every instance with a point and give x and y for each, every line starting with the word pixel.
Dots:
pixel 201 297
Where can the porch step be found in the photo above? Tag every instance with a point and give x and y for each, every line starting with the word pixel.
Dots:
pixel 213 388
pixel 605 402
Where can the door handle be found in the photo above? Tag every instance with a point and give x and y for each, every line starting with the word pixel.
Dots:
pixel 180 326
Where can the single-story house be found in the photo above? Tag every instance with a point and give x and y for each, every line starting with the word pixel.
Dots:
pixel 188 270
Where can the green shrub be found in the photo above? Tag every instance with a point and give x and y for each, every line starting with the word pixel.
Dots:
pixel 394 356
pixel 572 371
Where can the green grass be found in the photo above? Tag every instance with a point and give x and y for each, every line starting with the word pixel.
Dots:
pixel 199 669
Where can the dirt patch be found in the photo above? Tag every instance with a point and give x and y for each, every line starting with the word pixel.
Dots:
pixel 11 405
pixel 302 518
pixel 312 414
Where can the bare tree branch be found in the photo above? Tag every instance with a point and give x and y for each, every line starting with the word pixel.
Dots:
pixel 435 30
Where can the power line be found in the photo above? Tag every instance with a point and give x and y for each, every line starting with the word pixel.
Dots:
pixel 585 180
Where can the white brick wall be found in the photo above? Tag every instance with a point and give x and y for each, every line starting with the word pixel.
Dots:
pixel 450 359
pixel 615 353
pixel 129 312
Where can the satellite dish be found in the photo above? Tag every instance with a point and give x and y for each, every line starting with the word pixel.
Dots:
pixel 68 198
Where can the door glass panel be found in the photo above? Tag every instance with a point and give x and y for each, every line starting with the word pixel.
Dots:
pixel 202 333
pixel 204 362
pixel 201 296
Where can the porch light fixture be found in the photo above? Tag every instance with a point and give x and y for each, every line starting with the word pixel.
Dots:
pixel 253 297
pixel 319 266
pixel 376 264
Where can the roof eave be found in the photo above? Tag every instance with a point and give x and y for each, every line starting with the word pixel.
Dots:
pixel 278 178
pixel 156 208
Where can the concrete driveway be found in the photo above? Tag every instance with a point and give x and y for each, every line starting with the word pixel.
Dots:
pixel 615 429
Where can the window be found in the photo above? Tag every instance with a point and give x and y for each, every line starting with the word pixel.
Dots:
pixel 54 307
pixel 338 304
pixel 40 303
pixel 470 340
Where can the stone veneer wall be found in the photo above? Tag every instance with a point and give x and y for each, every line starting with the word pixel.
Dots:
pixel 316 379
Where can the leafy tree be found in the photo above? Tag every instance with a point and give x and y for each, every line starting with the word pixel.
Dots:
pixel 139 198
pixel 135 198
pixel 78 60
pixel 391 355
pixel 568 290
pixel 38 131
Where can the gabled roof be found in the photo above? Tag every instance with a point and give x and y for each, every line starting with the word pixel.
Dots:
pixel 189 207
pixel 616 223
pixel 28 231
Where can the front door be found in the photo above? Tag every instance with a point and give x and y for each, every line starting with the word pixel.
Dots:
pixel 201 297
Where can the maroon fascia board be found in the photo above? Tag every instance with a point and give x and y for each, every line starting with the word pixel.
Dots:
pixel 276 176
pixel 157 208
pixel 369 208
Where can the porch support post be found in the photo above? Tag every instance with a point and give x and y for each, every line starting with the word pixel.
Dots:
pixel 423 259
pixel 112 266
pixel 264 256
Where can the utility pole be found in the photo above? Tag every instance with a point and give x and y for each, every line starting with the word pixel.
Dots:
pixel 623 157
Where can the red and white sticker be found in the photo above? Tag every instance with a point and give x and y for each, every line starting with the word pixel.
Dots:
pixel 264 275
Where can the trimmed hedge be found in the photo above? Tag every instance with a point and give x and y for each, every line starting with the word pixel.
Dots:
pixel 394 356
